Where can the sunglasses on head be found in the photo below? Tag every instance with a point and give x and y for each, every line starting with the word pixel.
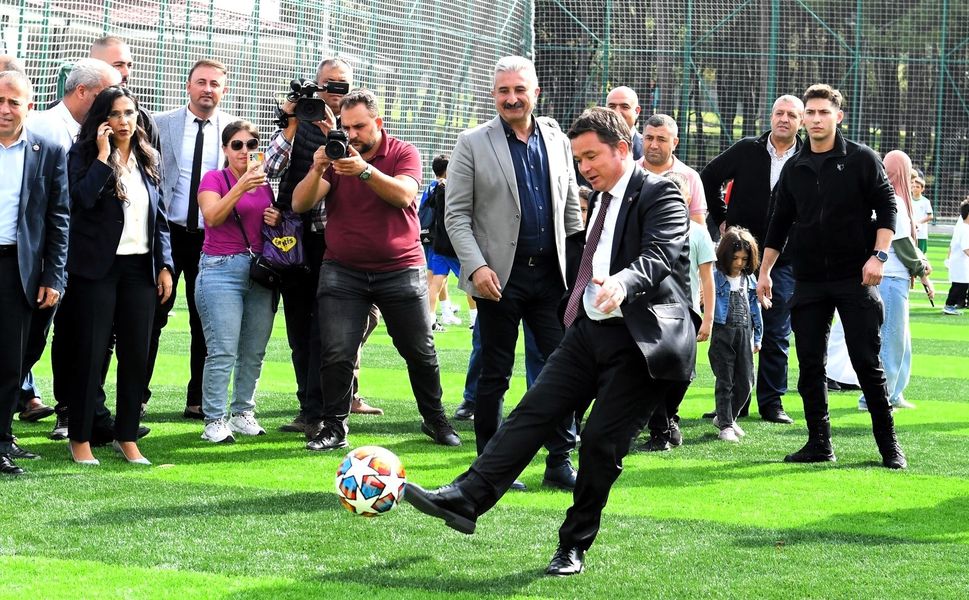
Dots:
pixel 250 144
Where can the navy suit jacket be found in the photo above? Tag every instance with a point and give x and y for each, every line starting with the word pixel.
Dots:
pixel 44 217
pixel 651 257
pixel 97 220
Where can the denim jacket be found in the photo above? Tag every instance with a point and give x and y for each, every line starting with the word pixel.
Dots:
pixel 722 286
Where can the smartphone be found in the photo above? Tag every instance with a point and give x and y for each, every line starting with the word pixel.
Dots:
pixel 255 160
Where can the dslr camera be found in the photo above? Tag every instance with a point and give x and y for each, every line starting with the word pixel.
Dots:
pixel 337 144
pixel 309 107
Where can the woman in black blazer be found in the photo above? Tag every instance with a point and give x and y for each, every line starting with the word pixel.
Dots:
pixel 119 259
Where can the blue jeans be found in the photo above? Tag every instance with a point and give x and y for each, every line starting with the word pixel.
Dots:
pixel 237 318
pixel 896 351
pixel 533 362
pixel 774 349
pixel 345 296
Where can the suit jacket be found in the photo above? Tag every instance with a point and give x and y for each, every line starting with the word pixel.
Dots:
pixel 97 220
pixel 171 128
pixel 651 257
pixel 44 217
pixel 482 209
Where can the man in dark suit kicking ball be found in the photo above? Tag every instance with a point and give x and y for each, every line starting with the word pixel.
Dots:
pixel 629 329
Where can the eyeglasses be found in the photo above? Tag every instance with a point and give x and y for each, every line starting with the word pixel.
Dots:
pixel 117 114
pixel 250 144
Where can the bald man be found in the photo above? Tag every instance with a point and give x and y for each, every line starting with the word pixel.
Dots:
pixel 623 100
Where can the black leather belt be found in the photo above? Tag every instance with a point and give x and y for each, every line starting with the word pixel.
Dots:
pixel 534 261
pixel 10 250
pixel 609 322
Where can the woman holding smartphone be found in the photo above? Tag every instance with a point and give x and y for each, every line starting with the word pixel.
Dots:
pixel 236 312
pixel 119 260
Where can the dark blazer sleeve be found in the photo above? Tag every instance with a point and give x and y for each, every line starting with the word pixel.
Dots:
pixel 86 181
pixel 56 221
pixel 783 212
pixel 881 198
pixel 163 241
pixel 718 171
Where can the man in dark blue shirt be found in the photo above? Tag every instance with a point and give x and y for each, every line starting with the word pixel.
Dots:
pixel 511 201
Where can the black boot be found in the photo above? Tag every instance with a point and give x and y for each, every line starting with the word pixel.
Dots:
pixel 883 427
pixel 818 447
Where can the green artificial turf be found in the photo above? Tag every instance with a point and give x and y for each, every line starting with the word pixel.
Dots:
pixel 260 519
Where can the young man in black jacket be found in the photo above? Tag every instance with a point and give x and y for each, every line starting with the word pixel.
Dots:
pixel 754 165
pixel 824 200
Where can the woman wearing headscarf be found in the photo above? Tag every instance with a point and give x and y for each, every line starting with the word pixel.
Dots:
pixel 905 261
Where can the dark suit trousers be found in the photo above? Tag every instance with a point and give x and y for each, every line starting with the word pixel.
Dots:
pixel 860 307
pixel 594 361
pixel 532 294
pixel 186 248
pixel 302 328
pixel 125 300
pixel 40 322
pixel 14 325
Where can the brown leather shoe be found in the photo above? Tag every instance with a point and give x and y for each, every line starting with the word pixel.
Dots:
pixel 360 407
pixel 36 411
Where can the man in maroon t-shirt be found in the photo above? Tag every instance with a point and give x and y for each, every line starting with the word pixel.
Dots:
pixel 373 257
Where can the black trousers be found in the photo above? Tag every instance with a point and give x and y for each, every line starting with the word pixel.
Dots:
pixel 860 307
pixel 14 326
pixel 668 410
pixel 123 300
pixel 595 360
pixel 958 295
pixel 186 248
pixel 532 294
pixel 302 328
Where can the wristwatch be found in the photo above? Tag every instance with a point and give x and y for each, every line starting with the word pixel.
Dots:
pixel 880 255
pixel 366 173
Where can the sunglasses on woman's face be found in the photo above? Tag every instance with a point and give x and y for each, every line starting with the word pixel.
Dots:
pixel 250 144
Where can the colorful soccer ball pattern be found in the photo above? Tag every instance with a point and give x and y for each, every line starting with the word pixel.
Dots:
pixel 370 481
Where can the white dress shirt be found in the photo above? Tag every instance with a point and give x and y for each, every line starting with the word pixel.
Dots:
pixel 134 235
pixel 777 160
pixel 178 205
pixel 602 258
pixel 56 124
pixel 11 181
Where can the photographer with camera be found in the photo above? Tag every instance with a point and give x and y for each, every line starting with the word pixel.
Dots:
pixel 305 119
pixel 373 257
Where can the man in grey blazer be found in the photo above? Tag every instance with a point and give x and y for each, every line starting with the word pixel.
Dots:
pixel 191 145
pixel 34 215
pixel 511 201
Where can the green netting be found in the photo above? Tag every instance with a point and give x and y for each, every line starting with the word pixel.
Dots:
pixel 903 66
pixel 429 62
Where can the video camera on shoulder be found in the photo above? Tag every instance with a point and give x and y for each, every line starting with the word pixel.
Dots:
pixel 309 107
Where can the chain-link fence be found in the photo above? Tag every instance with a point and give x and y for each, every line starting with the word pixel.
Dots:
pixel 716 66
pixel 429 61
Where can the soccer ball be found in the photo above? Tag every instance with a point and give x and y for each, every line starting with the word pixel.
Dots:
pixel 370 481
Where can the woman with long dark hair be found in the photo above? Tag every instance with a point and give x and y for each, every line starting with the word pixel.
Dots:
pixel 119 260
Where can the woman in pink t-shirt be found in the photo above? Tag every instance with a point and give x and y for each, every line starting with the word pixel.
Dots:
pixel 236 312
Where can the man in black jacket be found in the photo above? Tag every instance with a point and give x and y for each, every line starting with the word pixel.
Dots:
pixel 754 165
pixel 825 199
pixel 630 334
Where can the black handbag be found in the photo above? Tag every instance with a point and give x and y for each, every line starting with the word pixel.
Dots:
pixel 260 270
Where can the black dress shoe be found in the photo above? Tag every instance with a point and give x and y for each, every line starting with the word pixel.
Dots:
pixel 197 415
pixel 708 415
pixel 465 411
pixel 657 442
pixel 518 486
pixel 777 416
pixel 561 477
pixel 8 467
pixel 566 561
pixel 327 439
pixel 833 386
pixel 441 432
pixel 812 452
pixel 18 453
pixel 447 503
pixel 297 425
pixel 32 415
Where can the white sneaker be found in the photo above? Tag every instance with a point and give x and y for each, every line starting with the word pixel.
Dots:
pixel 473 316
pixel 728 435
pixel 736 428
pixel 218 432
pixel 450 319
pixel 246 424
pixel 901 403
